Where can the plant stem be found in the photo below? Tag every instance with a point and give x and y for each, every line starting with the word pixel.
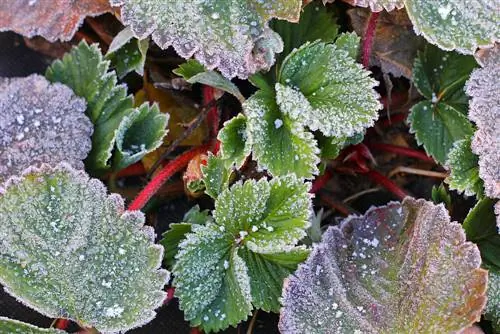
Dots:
pixel 406 151
pixel 213 118
pixel 170 169
pixel 368 38
pixel 321 181
pixel 61 323
pixel 386 183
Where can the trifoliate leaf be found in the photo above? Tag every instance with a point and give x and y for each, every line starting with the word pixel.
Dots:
pixel 235 146
pixel 223 265
pixel 215 176
pixel 279 144
pixel 194 72
pixel 41 122
pixel 484 88
pixel 323 88
pixel 492 311
pixel 139 133
pixel 441 120
pixel 55 218
pixel 401 268
pixel 127 53
pixel 53 20
pixel 231 36
pixel 10 326
pixel 464 169
pixel 86 72
pixel 456 25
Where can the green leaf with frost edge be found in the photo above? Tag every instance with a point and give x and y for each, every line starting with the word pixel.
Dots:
pixel 234 144
pixel 464 169
pixel 400 268
pixel 454 24
pixel 127 54
pixel 55 218
pixel 376 5
pixel 223 266
pixel 9 326
pixel 239 47
pixel 215 175
pixel 492 311
pixel 86 72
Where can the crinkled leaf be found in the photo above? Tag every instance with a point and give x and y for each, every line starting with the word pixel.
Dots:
pixel 484 89
pixel 232 36
pixel 53 20
pixel 215 176
pixel 464 169
pixel 55 218
pixel 323 88
pixel 235 147
pixel 194 72
pixel 219 272
pixel 279 144
pixel 9 326
pixel 401 268
pixel 454 24
pixel 127 53
pixel 376 5
pixel 139 133
pixel 41 122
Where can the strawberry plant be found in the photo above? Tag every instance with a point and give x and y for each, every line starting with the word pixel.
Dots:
pixel 249 166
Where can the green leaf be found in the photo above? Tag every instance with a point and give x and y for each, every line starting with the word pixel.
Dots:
pixel 480 222
pixel 223 266
pixel 349 42
pixel 127 53
pixel 55 218
pixel 85 71
pixel 279 144
pixel 401 268
pixel 215 176
pixel 9 326
pixel 139 133
pixel 239 47
pixel 456 25
pixel 440 195
pixel 464 169
pixel 40 122
pixel 234 147
pixel 323 88
pixel 194 72
pixel 492 311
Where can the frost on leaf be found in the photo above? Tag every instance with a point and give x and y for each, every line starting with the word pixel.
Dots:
pixel 215 175
pixel 492 311
pixel 456 24
pixel 378 5
pixel 53 20
pixel 402 268
pixel 322 87
pixel 232 36
pixel 239 260
pixel 40 122
pixel 235 147
pixel 9 326
pixel 55 218
pixel 464 170
pixel 484 89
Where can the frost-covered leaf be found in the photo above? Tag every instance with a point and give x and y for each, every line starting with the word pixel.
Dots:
pixel 235 146
pixel 194 72
pixel 401 268
pixel 441 120
pixel 323 88
pixel 376 5
pixel 455 24
pixel 484 89
pixel 55 218
pixel 86 72
pixel 279 144
pixel 53 20
pixel 232 36
pixel 238 261
pixel 127 53
pixel 11 326
pixel 40 122
pixel 492 311
pixel 215 176
pixel 464 169
pixel 139 133
pixel 349 41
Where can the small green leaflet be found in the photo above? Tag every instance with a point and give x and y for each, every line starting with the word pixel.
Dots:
pixel 235 146
pixel 400 268
pixel 441 120
pixel 215 176
pixel 10 326
pixel 127 54
pixel 55 218
pixel 464 169
pixel 239 260
pixel 110 109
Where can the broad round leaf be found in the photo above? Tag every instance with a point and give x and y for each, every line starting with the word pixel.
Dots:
pixel 401 268
pixel 40 122
pixel 69 250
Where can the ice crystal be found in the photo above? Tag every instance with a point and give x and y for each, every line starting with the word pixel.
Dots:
pixel 41 122
pixel 397 269
pixel 232 36
pixel 53 217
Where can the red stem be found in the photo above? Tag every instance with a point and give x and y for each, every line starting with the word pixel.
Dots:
pixel 386 183
pixel 62 324
pixel 368 38
pixel 167 171
pixel 213 114
pixel 321 181
pixel 406 151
